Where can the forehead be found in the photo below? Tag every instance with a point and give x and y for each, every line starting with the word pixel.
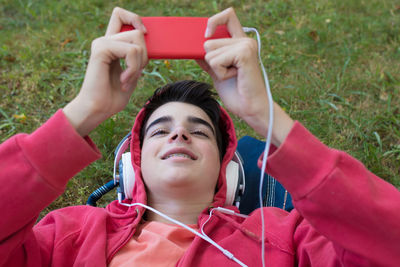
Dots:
pixel 179 112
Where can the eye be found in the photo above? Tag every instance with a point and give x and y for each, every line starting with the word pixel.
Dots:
pixel 158 132
pixel 200 133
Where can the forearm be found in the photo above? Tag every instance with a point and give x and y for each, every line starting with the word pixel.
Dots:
pixel 341 199
pixel 35 169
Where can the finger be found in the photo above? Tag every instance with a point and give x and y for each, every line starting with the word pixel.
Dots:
pixel 213 44
pixel 241 49
pixel 133 61
pixel 132 82
pixel 132 37
pixel 127 36
pixel 229 53
pixel 223 64
pixel 227 17
pixel 106 51
pixel 120 17
pixel 133 64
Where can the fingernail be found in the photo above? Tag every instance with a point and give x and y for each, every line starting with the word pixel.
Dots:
pixel 144 29
pixel 207 34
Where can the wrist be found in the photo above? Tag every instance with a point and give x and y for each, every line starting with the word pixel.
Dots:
pixel 81 117
pixel 280 128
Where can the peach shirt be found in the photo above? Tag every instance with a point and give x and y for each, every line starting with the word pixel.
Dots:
pixel 154 244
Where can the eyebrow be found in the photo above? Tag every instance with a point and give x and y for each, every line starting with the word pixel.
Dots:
pixel 198 120
pixel 157 121
pixel 191 119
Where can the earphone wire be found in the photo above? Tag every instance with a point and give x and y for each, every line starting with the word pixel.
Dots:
pixel 268 139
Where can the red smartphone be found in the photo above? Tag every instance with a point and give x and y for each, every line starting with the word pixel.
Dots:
pixel 177 37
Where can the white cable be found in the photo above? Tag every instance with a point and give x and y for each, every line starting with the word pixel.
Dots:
pixel 268 138
pixel 205 237
pixel 231 256
pixel 230 212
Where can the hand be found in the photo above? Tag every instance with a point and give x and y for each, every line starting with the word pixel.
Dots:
pixel 233 65
pixel 107 88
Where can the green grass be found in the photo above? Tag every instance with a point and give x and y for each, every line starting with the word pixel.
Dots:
pixel 333 65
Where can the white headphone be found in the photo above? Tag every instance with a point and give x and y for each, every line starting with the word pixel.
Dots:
pixel 124 175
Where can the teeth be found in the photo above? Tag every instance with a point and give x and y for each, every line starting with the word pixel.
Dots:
pixel 178 155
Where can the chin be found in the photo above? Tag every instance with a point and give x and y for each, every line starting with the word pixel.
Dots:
pixel 178 178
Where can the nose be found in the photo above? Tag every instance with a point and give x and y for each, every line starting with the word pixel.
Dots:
pixel 180 134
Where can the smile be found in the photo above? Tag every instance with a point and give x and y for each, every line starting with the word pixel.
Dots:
pixel 180 155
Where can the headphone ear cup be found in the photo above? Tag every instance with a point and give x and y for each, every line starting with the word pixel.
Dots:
pixel 127 175
pixel 232 176
pixel 235 181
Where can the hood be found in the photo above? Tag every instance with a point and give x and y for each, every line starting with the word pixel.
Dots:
pixel 139 191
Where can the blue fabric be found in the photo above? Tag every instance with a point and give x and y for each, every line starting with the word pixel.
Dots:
pixel 273 192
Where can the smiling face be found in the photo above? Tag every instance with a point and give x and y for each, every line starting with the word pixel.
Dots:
pixel 180 151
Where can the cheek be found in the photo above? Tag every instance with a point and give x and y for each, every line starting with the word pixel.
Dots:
pixel 212 159
pixel 148 156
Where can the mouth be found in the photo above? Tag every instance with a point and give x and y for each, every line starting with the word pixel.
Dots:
pixel 179 153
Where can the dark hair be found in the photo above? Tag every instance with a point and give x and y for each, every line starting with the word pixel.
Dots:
pixel 190 92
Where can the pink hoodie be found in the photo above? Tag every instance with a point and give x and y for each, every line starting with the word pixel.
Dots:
pixel 344 216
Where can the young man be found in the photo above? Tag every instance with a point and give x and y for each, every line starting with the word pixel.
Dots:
pixel 344 216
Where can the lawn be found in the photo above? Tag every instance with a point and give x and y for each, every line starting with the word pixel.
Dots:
pixel 333 65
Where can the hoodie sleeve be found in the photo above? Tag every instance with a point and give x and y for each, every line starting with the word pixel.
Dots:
pixel 351 207
pixel 35 169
